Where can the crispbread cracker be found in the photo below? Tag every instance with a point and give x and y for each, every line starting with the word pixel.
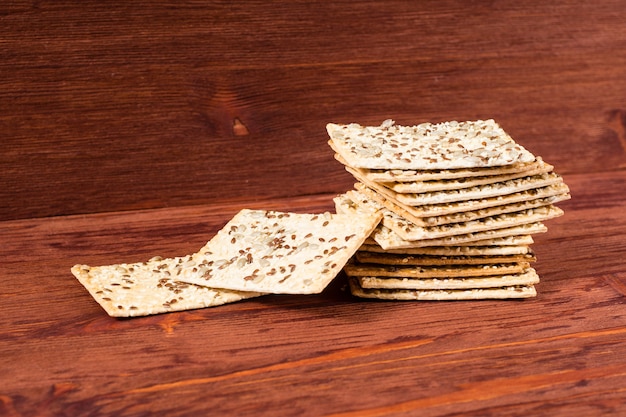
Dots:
pixel 473 193
pixel 480 191
pixel 459 201
pixel 388 239
pixel 509 239
pixel 153 287
pixel 445 174
pixel 409 231
pixel 510 203
pixel 354 269
pixel 493 250
pixel 447 145
pixel 513 292
pixel 430 214
pixel 455 184
pixel 526 277
pixel 512 240
pixel 387 258
pixel 274 252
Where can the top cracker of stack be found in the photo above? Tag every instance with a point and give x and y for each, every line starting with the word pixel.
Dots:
pixel 460 201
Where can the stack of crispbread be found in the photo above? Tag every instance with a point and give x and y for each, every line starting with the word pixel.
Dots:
pixel 460 203
pixel 439 212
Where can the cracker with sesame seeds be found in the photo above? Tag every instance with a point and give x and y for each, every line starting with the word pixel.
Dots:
pixel 427 146
pixel 456 223
pixel 497 293
pixel 437 180
pixel 355 269
pixel 478 192
pixel 153 287
pixel 512 240
pixel 381 175
pixel 388 239
pixel 282 253
pixel 486 250
pixel 526 277
pixel 432 215
pixel 366 257
pixel 409 231
pixel 416 187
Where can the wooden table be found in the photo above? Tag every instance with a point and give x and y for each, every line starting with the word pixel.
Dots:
pixel 134 129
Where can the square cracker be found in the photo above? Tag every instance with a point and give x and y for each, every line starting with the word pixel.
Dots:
pixel 508 240
pixel 379 175
pixel 388 239
pixel 477 192
pixel 140 289
pixel 467 210
pixel 447 145
pixel 286 253
pixel 500 293
pixel 442 180
pixel 459 183
pixel 487 250
pixel 447 271
pixel 386 258
pixel 410 232
pixel 527 277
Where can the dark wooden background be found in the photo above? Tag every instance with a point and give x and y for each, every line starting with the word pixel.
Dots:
pixel 121 105
pixel 130 129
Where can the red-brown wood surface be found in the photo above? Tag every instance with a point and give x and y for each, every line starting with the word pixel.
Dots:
pixel 119 105
pixel 135 129
pixel 561 353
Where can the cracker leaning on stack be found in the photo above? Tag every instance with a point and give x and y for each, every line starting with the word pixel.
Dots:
pixel 460 203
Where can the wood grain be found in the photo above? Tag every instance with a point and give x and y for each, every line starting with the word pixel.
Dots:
pixel 121 106
pixel 329 354
pixel 135 129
